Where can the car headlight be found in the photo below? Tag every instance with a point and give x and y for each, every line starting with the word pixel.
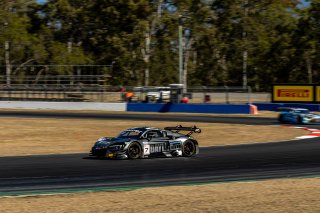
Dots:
pixel 101 139
pixel 98 147
pixel 309 116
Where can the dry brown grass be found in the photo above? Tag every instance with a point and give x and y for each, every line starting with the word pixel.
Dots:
pixel 281 196
pixel 25 136
pixel 42 136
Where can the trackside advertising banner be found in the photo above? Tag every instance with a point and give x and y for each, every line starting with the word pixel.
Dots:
pixel 294 93
pixel 317 93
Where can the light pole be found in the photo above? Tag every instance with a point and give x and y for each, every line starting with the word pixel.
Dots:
pixel 180 51
pixel 8 65
pixel 245 51
pixel 182 65
pixel 146 56
pixel 7 58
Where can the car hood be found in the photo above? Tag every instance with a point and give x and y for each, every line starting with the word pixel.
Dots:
pixel 105 141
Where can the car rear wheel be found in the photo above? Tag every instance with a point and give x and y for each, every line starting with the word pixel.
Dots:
pixel 134 151
pixel 189 148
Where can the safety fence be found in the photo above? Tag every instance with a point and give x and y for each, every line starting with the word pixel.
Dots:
pixel 227 95
pixel 103 93
pixel 56 74
pixel 203 94
pixel 72 93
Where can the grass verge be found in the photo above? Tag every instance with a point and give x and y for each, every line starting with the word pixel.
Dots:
pixel 34 136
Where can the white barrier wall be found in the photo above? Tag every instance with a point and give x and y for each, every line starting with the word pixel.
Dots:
pixel 63 105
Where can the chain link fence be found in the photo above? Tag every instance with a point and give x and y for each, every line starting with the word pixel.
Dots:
pixel 91 83
pixel 93 93
pixel 104 93
pixel 226 95
pixel 56 74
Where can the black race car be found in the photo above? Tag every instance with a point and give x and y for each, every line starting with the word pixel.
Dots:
pixel 144 142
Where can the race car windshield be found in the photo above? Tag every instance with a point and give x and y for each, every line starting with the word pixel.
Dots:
pixel 130 134
pixel 302 111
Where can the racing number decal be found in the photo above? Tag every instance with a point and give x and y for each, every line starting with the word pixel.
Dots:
pixel 146 149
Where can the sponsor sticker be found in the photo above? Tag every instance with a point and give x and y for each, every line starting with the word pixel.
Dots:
pixel 146 149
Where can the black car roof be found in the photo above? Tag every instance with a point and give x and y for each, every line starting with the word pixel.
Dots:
pixel 143 129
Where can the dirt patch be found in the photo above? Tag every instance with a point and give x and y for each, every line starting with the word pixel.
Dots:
pixel 297 195
pixel 26 136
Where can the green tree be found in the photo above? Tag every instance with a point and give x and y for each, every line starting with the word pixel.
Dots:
pixel 259 30
pixel 269 41
pixel 19 46
pixel 306 42
pixel 116 35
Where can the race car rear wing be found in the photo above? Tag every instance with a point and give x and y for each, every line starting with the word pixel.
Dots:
pixel 181 128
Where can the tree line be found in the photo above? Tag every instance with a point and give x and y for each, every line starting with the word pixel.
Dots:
pixel 225 42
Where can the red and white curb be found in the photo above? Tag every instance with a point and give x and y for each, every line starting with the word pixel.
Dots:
pixel 314 133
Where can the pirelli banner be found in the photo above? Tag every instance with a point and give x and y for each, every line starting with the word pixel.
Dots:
pixel 306 93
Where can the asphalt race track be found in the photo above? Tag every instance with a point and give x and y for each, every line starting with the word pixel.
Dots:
pixel 141 116
pixel 51 173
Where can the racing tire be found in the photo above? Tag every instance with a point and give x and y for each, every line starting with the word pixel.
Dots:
pixel 189 148
pixel 300 120
pixel 134 151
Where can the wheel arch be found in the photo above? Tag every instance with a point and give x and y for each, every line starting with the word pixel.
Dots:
pixel 197 145
pixel 139 144
pixel 141 147
pixel 195 142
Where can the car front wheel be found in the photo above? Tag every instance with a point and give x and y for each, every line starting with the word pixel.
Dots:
pixel 134 151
